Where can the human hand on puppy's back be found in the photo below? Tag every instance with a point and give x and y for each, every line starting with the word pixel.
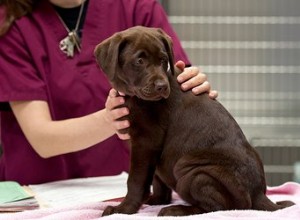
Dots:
pixel 192 78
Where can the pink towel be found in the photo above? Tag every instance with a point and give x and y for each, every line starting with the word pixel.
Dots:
pixel 287 191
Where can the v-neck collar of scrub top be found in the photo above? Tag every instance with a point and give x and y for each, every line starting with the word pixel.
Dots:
pixel 90 37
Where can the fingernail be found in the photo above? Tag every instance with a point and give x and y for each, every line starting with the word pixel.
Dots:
pixel 184 86
pixel 179 79
pixel 195 90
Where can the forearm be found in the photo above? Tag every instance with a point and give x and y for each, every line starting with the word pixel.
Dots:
pixel 51 138
pixel 60 137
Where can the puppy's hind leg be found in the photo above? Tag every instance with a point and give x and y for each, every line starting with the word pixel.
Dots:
pixel 262 202
pixel 209 186
pixel 202 192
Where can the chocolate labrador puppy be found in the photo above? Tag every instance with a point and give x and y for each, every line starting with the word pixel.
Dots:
pixel 181 142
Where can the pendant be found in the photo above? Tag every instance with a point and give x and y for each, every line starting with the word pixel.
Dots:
pixel 68 44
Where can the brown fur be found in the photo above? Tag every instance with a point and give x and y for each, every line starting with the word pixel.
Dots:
pixel 181 142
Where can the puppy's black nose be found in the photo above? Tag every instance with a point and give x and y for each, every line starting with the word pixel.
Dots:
pixel 160 86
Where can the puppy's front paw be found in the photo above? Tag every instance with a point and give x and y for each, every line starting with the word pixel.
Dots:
pixel 109 210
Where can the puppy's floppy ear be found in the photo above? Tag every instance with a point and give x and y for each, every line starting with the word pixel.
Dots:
pixel 168 43
pixel 107 54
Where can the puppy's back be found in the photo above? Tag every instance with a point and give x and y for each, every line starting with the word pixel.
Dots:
pixel 201 119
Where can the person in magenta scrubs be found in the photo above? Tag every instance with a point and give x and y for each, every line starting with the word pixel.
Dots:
pixel 56 105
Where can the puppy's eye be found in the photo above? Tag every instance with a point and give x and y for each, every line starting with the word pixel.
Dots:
pixel 164 63
pixel 139 61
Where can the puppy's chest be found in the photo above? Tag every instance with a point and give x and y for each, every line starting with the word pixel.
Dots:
pixel 146 116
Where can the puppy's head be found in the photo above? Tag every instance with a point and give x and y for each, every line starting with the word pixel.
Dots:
pixel 137 62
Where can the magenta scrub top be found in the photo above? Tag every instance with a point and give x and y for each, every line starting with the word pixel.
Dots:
pixel 32 67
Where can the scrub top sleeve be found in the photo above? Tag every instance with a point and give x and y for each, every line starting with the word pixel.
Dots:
pixel 151 14
pixel 19 78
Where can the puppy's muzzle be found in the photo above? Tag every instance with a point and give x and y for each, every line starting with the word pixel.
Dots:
pixel 154 91
pixel 161 86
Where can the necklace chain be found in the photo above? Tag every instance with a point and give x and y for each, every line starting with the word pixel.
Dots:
pixel 72 41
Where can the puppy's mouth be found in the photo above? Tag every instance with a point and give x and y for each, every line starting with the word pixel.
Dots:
pixel 153 93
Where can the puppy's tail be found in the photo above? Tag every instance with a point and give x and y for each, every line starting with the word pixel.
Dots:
pixel 262 202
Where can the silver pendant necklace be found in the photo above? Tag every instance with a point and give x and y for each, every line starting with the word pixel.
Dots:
pixel 71 42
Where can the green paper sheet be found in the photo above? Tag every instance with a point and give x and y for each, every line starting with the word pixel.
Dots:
pixel 12 191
